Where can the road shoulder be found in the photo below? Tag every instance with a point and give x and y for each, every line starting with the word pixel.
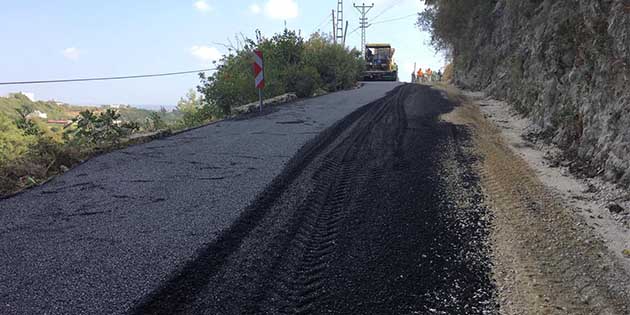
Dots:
pixel 547 258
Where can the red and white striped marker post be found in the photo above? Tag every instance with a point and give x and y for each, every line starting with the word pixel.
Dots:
pixel 259 74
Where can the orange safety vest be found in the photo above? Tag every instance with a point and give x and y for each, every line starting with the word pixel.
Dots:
pixel 420 73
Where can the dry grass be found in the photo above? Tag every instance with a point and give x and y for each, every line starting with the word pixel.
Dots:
pixel 449 73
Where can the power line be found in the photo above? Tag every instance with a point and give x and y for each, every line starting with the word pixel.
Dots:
pixel 394 19
pixel 326 19
pixel 386 9
pixel 381 22
pixel 106 78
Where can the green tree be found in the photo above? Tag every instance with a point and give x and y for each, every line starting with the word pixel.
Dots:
pixel 194 111
pixel 25 123
pixel 99 129
pixel 156 122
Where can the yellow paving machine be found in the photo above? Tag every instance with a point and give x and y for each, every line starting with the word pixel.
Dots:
pixel 379 63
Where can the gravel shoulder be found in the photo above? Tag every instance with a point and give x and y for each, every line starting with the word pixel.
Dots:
pixel 548 256
pixel 99 238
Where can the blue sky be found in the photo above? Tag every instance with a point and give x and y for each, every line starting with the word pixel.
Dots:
pixel 77 38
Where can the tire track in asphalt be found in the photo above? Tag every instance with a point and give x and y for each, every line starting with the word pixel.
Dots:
pixel 180 290
pixel 299 285
pixel 362 221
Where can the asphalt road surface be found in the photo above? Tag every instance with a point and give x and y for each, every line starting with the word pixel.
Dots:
pixel 104 235
pixel 326 206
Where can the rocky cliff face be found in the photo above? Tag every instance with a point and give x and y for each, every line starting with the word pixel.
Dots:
pixel 566 64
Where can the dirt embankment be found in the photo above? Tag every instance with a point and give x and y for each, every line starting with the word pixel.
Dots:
pixel 545 259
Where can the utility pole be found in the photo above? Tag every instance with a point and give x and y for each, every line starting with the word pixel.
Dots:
pixel 345 33
pixel 363 22
pixel 334 26
pixel 340 21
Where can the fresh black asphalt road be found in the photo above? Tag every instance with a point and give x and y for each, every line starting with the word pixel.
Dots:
pixel 381 214
pixel 104 236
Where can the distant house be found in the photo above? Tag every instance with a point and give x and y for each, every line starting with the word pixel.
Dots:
pixel 37 114
pixel 30 96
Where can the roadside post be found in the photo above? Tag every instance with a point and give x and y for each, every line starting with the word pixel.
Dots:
pixel 259 75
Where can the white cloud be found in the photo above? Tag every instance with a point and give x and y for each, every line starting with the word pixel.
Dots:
pixel 255 8
pixel 71 53
pixel 202 6
pixel 281 9
pixel 205 53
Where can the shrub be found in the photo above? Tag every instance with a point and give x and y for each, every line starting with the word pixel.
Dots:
pixel 194 112
pixel 303 80
pixel 291 65
pixel 26 124
pixel 338 68
pixel 13 142
pixel 98 129
pixel 155 122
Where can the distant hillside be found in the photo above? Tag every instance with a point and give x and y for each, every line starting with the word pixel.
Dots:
pixel 60 111
pixel 8 106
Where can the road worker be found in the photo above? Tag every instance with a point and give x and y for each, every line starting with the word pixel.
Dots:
pixel 430 74
pixel 420 75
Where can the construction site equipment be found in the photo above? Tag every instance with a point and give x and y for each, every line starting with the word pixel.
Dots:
pixel 379 63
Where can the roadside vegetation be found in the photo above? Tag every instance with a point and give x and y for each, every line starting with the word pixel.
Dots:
pixel 39 140
pixel 292 64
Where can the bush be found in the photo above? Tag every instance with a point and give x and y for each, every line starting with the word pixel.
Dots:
pixel 194 112
pixel 13 142
pixel 98 129
pixel 337 67
pixel 24 123
pixel 291 65
pixel 27 159
pixel 155 122
pixel 303 80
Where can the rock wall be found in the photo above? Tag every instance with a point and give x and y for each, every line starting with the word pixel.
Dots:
pixel 566 64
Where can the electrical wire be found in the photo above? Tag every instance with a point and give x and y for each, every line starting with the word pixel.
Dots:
pixel 354 30
pixel 384 11
pixel 326 19
pixel 323 22
pixel 382 22
pixel 394 19
pixel 106 78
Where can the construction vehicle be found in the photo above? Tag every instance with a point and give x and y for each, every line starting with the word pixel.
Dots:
pixel 379 63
